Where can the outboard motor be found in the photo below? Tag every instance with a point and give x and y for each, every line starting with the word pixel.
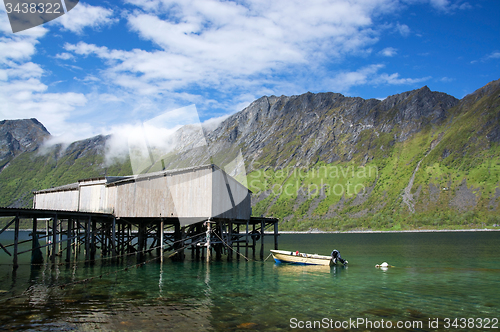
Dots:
pixel 336 256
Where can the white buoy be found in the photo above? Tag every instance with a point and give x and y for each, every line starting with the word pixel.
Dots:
pixel 384 264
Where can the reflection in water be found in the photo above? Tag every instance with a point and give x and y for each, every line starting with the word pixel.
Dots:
pixel 223 296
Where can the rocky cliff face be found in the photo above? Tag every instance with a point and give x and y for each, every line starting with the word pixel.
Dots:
pixel 18 136
pixel 301 130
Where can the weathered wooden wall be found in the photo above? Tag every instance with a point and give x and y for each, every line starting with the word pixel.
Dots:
pixel 198 192
pixel 164 194
pixel 57 200
pixel 94 196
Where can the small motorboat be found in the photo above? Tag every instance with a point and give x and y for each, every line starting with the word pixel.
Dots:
pixel 295 257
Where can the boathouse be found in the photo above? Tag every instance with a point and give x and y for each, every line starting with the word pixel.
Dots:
pixel 190 195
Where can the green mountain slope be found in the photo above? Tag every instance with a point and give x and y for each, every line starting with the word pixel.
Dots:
pixel 446 174
pixel 46 168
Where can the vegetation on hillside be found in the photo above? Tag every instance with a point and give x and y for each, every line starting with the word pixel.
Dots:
pixel 443 175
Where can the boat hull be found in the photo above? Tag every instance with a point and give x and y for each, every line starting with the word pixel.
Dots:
pixel 282 256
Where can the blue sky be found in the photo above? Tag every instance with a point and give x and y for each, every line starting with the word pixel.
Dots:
pixel 108 65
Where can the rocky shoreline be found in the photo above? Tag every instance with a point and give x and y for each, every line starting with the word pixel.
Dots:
pixel 400 231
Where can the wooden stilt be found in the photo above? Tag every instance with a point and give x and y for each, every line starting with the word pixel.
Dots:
pixel 68 241
pixel 129 236
pixel 218 246
pixel 113 238
pixel 262 227
pixel 141 241
pixel 198 248
pixel 76 233
pixel 87 238
pixel 246 240
pixel 230 241
pixel 276 235
pixel 47 239
pixel 253 240
pixel 208 240
pixel 93 237
pixel 161 239
pixel 59 236
pixel 238 242
pixel 54 238
pixel 33 234
pixel 16 240
pixel 80 238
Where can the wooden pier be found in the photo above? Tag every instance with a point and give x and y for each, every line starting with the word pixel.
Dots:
pixel 67 235
pixel 202 209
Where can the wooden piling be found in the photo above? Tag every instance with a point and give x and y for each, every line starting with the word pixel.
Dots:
pixel 47 239
pixel 33 234
pixel 208 235
pixel 87 238
pixel 68 241
pixel 229 241
pixel 238 242
pixel 16 241
pixel 253 240
pixel 54 238
pixel 113 238
pixel 276 235
pixel 76 233
pixel 262 227
pixel 246 240
pixel 59 240
pixel 161 239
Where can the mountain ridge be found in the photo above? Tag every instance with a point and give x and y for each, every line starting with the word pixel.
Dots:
pixel 416 143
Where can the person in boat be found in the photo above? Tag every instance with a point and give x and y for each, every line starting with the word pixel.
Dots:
pixel 336 256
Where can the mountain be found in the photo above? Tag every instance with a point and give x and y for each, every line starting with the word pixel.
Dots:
pixel 30 165
pixel 419 159
pixel 305 129
pixel 18 136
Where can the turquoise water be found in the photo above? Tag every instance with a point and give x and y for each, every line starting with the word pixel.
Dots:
pixel 435 276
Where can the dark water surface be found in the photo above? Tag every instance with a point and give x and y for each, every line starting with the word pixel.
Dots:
pixel 435 276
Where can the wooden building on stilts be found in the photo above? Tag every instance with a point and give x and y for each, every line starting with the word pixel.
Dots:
pixel 201 209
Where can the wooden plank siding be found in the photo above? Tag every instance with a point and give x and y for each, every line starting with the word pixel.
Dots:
pixel 199 192
pixel 57 200
pixel 93 196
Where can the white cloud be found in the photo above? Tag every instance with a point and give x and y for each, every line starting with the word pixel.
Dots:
pixel 232 45
pixel 65 56
pixel 493 55
pixel 403 29
pixel 212 123
pixel 465 6
pixel 84 15
pixel 445 6
pixel 440 4
pixel 395 79
pixel 22 93
pixel 344 81
pixel 389 51
pixel 23 97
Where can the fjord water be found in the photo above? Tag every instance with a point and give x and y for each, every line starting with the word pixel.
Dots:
pixel 435 276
